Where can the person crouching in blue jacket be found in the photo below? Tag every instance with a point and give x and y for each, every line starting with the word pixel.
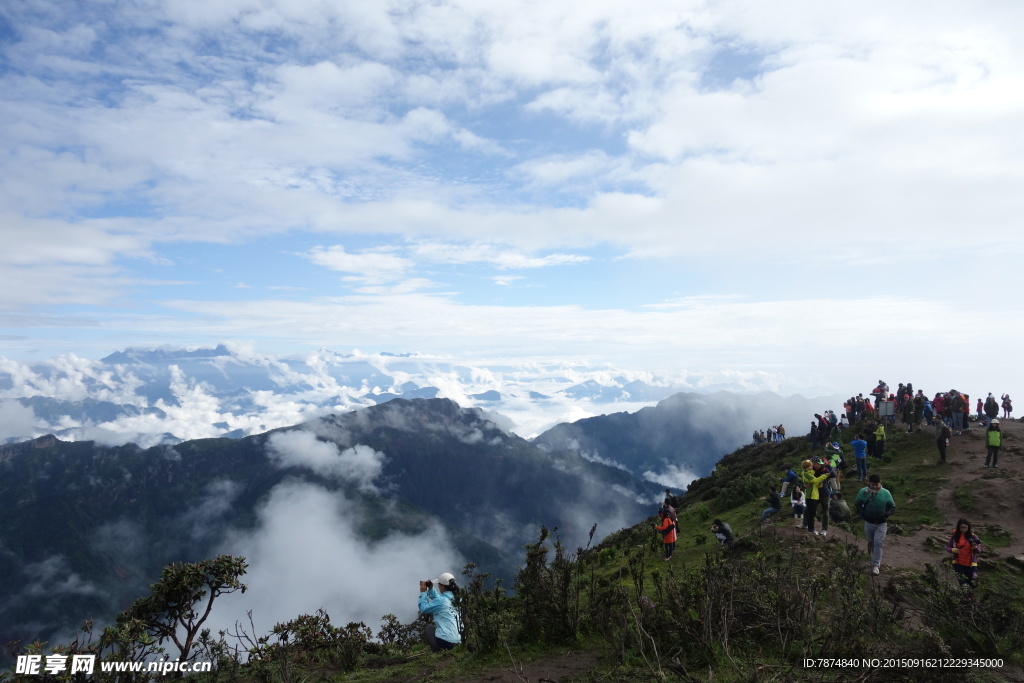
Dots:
pixel 443 634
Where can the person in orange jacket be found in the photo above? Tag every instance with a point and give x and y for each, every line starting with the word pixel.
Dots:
pixel 667 528
pixel 965 546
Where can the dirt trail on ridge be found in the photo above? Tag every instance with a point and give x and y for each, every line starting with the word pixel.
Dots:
pixel 997 495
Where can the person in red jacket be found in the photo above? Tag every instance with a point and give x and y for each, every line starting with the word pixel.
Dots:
pixel 965 547
pixel 667 528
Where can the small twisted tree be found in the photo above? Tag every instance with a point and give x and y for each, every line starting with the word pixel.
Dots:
pixel 176 608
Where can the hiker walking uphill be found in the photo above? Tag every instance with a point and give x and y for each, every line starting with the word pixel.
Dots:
pixel 875 505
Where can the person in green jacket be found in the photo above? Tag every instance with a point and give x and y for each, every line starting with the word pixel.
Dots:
pixel 875 505
pixel 994 438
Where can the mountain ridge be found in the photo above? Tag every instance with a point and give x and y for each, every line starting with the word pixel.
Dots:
pixel 100 518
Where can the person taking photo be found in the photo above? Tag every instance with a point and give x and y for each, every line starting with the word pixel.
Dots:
pixel 436 599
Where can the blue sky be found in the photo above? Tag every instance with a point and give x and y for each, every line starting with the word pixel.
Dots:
pixel 821 193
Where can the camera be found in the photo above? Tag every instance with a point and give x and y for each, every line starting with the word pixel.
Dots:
pixel 429 584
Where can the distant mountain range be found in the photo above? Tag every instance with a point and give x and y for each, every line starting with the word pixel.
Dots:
pixel 165 396
pixel 682 437
pixel 88 527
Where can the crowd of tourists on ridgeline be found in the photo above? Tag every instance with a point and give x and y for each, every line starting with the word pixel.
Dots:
pixel 773 434
pixel 814 487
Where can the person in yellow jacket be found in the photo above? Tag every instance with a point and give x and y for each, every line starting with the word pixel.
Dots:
pixel 880 440
pixel 812 492
pixel 994 439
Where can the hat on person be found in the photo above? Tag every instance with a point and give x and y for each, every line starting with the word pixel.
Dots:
pixel 446 579
pixel 995 421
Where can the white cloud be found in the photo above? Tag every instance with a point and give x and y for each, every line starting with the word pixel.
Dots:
pixel 372 267
pixel 503 258
pixel 506 280
pixel 673 476
pixel 16 420
pixel 780 153
pixel 305 554
pixel 53 577
pixel 359 464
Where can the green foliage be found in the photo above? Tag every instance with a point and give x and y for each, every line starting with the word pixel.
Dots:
pixel 986 622
pixel 488 619
pixel 742 490
pixel 702 512
pixel 548 593
pixel 310 638
pixel 396 637
pixel 180 601
pixel 175 610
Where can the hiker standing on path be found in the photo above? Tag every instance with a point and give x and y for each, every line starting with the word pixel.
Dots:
pixel 880 439
pixel 875 505
pixel 667 529
pixel 436 598
pixel 869 436
pixel 965 546
pixel 991 408
pixel 860 455
pixel 812 487
pixel 1007 407
pixel 958 407
pixel 994 439
pixel 942 435
pixel 796 499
